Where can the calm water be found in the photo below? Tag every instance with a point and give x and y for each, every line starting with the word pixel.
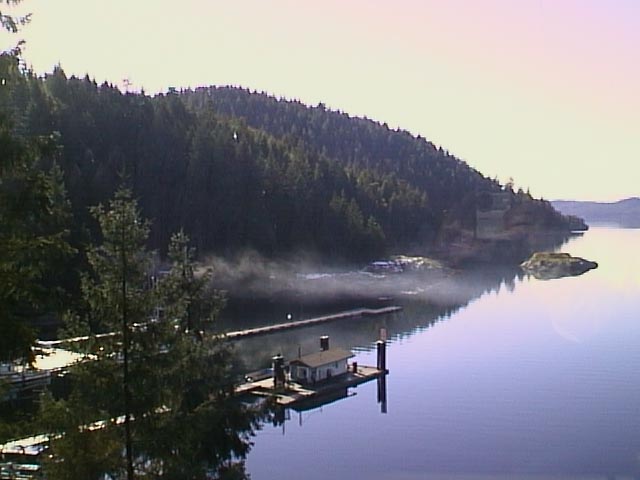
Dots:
pixel 535 379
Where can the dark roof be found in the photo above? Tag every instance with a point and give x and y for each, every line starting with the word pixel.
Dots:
pixel 323 357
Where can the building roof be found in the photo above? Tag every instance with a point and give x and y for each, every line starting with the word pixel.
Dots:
pixel 323 357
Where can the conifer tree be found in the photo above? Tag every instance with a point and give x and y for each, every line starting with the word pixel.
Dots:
pixel 158 385
pixel 34 215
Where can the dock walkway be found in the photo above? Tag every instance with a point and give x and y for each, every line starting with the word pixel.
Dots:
pixel 359 312
pixel 356 313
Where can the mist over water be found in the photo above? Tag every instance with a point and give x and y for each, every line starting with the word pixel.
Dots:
pixel 252 277
pixel 263 291
pixel 281 292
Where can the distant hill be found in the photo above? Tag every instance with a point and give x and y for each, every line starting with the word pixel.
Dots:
pixel 240 170
pixel 624 212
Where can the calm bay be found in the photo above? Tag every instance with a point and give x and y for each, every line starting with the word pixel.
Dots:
pixel 527 378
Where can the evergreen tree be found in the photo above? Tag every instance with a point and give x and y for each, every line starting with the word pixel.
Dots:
pixel 34 216
pixel 158 389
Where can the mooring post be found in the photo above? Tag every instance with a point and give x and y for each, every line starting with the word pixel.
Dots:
pixel 382 355
pixel 277 363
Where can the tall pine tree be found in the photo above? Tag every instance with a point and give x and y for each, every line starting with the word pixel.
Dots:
pixel 34 216
pixel 159 387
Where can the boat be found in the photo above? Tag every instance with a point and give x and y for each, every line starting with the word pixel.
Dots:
pixel 23 379
pixel 259 375
pixel 381 267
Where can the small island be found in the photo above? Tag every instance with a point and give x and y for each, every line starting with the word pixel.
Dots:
pixel 550 265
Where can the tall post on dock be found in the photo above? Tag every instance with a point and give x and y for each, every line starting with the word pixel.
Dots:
pixel 278 371
pixel 381 346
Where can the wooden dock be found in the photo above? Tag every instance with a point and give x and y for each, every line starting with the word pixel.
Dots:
pixel 357 313
pixel 294 393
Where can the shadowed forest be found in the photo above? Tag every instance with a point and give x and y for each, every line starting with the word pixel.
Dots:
pixel 240 170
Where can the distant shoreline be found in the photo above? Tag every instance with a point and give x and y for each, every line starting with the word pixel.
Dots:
pixel 623 213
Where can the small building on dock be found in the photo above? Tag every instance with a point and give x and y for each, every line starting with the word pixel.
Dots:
pixel 312 377
pixel 319 366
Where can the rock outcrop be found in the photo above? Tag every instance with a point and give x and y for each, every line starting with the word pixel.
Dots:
pixel 549 265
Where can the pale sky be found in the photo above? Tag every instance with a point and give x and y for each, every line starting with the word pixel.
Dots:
pixel 544 91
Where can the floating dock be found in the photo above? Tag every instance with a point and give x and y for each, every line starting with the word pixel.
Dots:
pixel 357 313
pixel 314 376
pixel 293 393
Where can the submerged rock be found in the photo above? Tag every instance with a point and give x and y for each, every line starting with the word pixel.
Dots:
pixel 549 265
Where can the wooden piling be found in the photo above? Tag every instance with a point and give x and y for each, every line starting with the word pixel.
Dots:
pixel 381 346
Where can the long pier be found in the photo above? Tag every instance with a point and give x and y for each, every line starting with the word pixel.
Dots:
pixel 357 313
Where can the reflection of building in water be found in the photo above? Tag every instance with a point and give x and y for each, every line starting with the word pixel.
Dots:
pixel 490 214
pixel 320 402
pixel 282 414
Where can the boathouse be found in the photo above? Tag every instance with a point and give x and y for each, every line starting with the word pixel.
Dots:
pixel 322 365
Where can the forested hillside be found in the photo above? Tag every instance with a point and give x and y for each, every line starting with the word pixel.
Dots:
pixel 358 144
pixel 243 170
